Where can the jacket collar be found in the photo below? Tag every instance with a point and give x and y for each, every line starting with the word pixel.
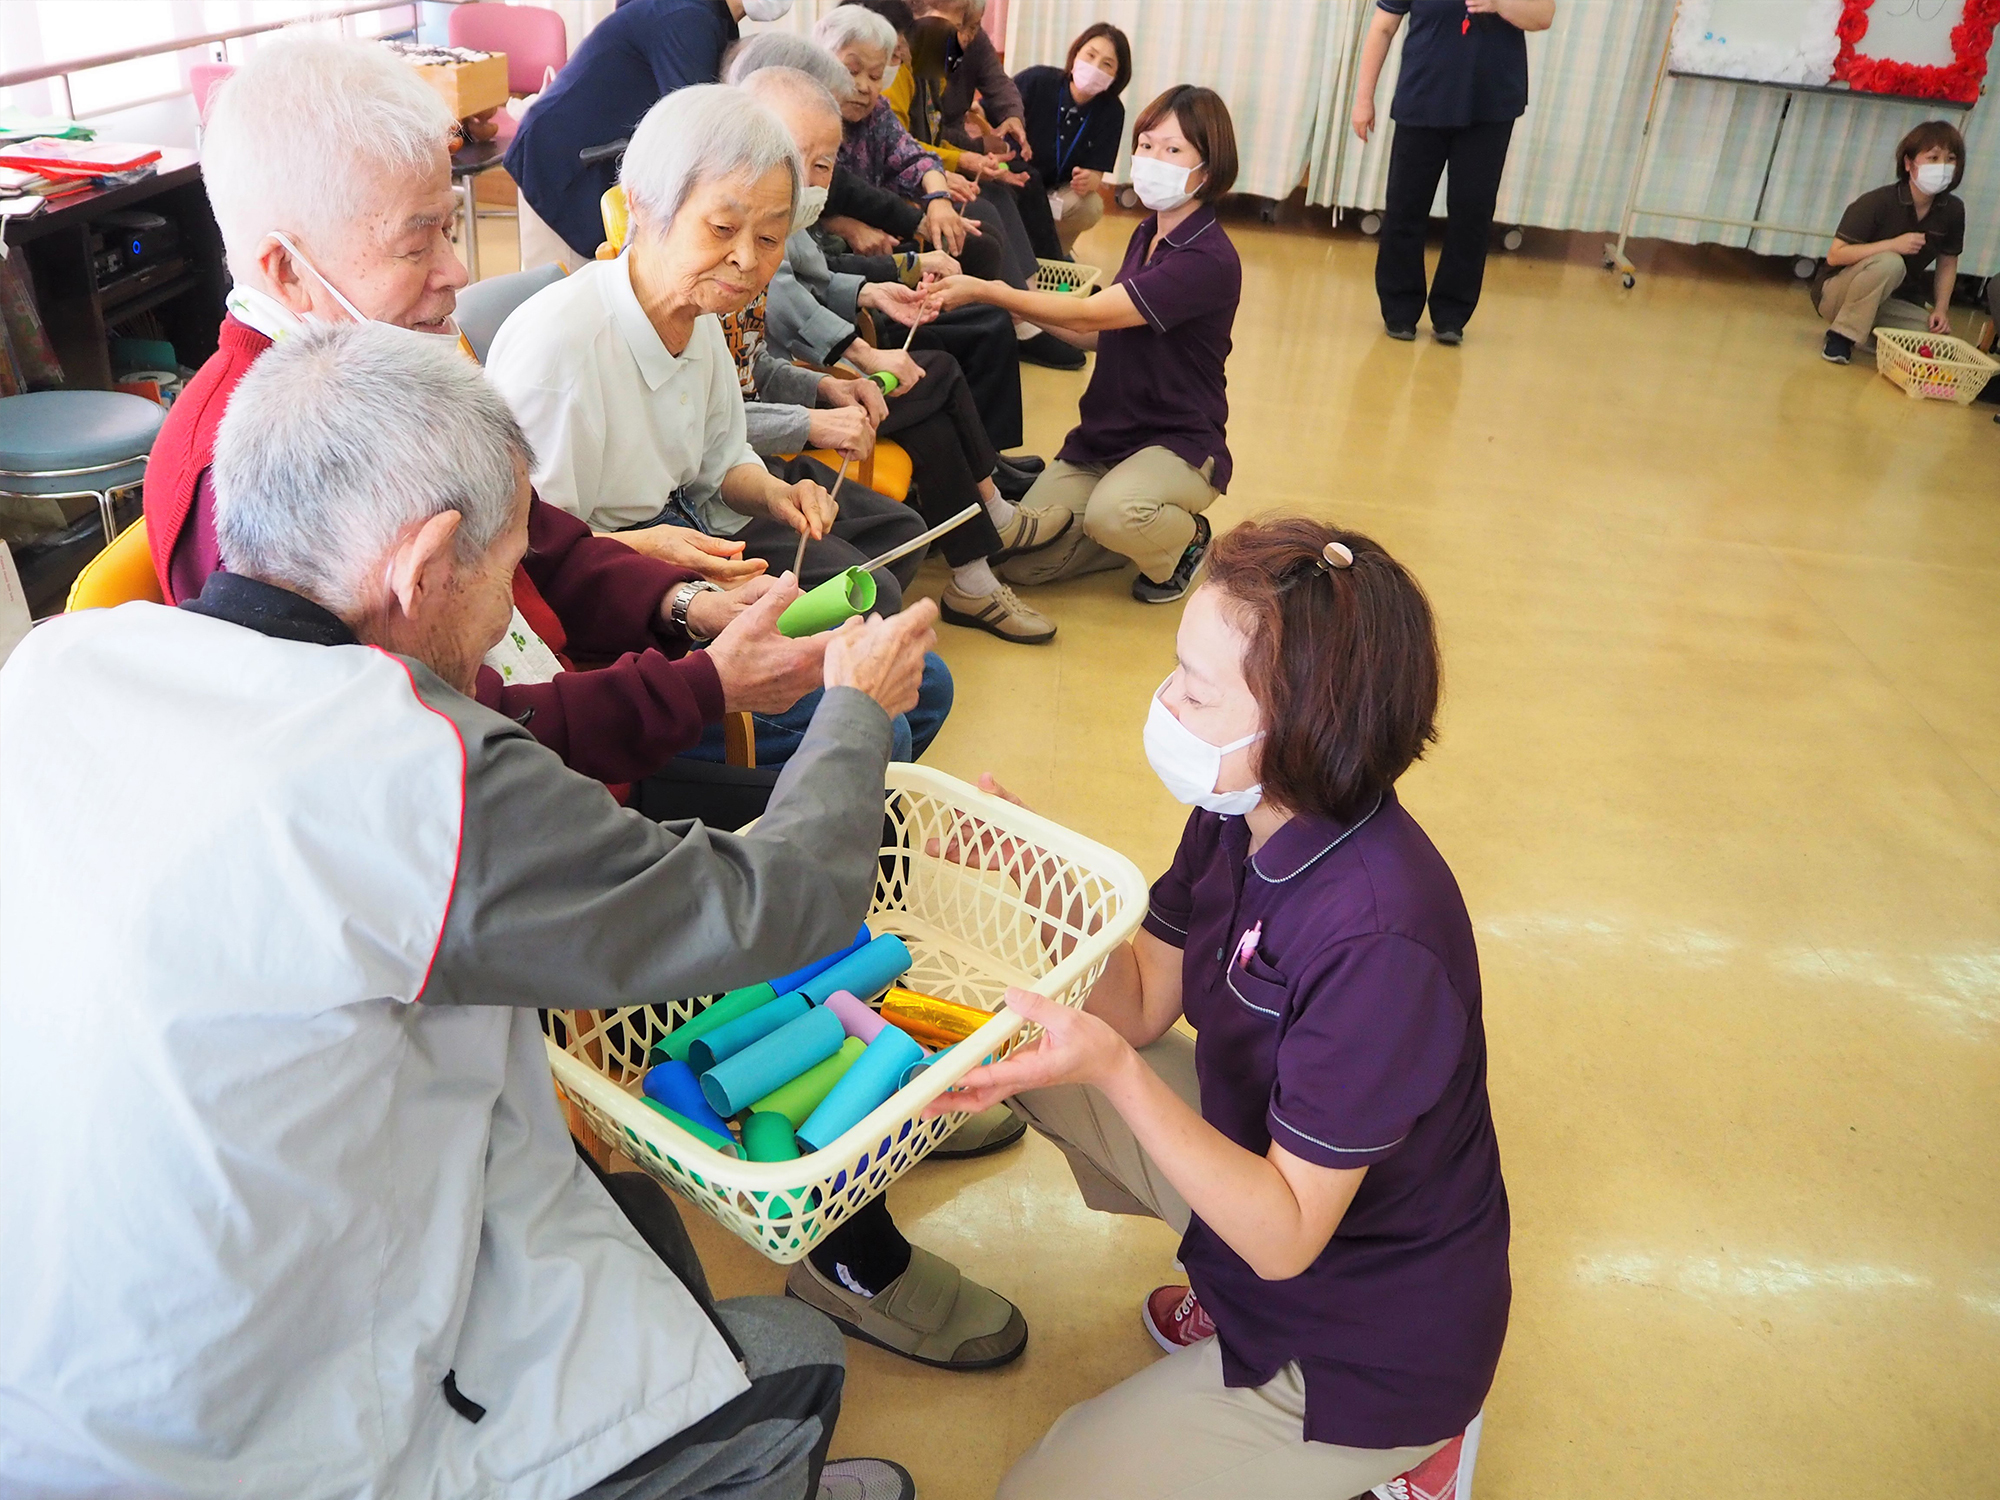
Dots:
pixel 656 362
pixel 1305 840
pixel 269 610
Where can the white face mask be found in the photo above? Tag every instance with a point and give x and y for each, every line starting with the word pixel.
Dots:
pixel 766 10
pixel 1161 186
pixel 451 339
pixel 1088 80
pixel 889 76
pixel 1934 177
pixel 812 203
pixel 1189 765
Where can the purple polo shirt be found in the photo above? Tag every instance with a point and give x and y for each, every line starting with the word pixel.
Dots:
pixel 1162 383
pixel 1352 1036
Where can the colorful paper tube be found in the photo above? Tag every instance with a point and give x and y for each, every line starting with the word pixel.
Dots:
pixel 727 1041
pixel 799 1098
pixel 857 1018
pixel 935 1022
pixel 769 1137
pixel 674 1085
pixel 736 1003
pixel 873 1078
pixel 841 597
pixel 701 1133
pixel 864 972
pixel 739 1081
pixel 786 983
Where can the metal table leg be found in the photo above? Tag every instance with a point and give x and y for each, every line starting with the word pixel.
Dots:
pixel 469 210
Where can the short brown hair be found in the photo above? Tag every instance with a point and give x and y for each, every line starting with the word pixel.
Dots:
pixel 1120 44
pixel 1927 135
pixel 1204 120
pixel 1343 662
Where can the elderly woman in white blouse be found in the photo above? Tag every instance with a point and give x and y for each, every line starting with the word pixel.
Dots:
pixel 620 374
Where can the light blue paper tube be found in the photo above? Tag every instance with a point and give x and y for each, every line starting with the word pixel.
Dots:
pixel 674 1085
pixel 727 1041
pixel 875 1075
pixel 797 978
pixel 738 1082
pixel 864 973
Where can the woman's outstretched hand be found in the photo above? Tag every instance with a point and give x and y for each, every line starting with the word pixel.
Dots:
pixel 953 292
pixel 1074 1047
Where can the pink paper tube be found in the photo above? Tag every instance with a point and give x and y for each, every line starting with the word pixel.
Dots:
pixel 857 1018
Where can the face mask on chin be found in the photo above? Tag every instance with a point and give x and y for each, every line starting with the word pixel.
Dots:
pixel 1934 177
pixel 1189 766
pixel 766 10
pixel 451 338
pixel 812 203
pixel 889 76
pixel 1089 80
pixel 1161 186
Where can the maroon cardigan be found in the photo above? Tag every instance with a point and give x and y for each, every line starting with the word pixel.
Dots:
pixel 586 595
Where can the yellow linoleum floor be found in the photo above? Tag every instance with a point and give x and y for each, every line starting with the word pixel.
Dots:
pixel 1720 777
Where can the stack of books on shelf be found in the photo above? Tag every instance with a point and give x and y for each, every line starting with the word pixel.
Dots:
pixel 45 170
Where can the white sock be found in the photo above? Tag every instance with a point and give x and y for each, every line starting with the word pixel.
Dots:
pixel 1024 331
pixel 974 578
pixel 1000 509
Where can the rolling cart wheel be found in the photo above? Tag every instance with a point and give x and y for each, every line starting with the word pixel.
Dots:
pixel 1512 238
pixel 1371 223
pixel 1630 280
pixel 1127 198
pixel 1804 267
pixel 1267 212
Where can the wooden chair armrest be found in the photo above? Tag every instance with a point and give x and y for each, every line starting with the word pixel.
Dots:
pixel 739 740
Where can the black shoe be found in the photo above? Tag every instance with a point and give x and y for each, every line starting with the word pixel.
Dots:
pixel 1452 336
pixel 1400 331
pixel 1027 463
pixel 1011 482
pixel 1148 592
pixel 1838 348
pixel 1048 350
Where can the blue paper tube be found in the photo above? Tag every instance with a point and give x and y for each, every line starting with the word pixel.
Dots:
pixel 872 1079
pixel 738 1082
pixel 674 1085
pixel 789 982
pixel 864 973
pixel 727 1041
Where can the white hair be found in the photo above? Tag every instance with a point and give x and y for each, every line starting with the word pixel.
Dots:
pixel 785 49
pixel 702 134
pixel 851 25
pixel 340 439
pixel 298 136
pixel 776 87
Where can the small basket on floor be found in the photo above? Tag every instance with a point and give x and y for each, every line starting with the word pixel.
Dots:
pixel 1066 278
pixel 972 933
pixel 1933 366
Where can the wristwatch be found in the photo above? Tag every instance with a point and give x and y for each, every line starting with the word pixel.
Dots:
pixel 677 609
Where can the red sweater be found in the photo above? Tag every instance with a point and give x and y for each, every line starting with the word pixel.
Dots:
pixel 585 595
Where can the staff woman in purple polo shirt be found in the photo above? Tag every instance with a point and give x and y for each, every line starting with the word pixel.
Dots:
pixel 1326 1145
pixel 1148 454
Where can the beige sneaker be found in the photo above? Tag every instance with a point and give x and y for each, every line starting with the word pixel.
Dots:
pixel 1032 530
pixel 999 613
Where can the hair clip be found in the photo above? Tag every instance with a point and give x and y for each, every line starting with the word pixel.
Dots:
pixel 1334 555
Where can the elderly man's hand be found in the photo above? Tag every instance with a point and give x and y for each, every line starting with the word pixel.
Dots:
pixel 862 239
pixel 715 558
pixel 944 228
pixel 709 613
pixel 907 305
pixel 865 394
pixel 883 658
pixel 805 507
pixel 847 430
pixel 761 670
pixel 937 263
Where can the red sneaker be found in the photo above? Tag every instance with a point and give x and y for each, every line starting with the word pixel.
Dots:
pixel 1445 1475
pixel 1174 1318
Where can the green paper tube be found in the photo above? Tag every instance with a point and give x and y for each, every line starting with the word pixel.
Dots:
pixel 727 1041
pixel 737 1082
pixel 768 1137
pixel 869 1083
pixel 840 598
pixel 887 381
pixel 802 1095
pixel 701 1133
pixel 736 1003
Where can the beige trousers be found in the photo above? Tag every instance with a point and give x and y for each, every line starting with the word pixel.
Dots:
pixel 1174 1429
pixel 1080 211
pixel 541 245
pixel 1862 298
pixel 1141 510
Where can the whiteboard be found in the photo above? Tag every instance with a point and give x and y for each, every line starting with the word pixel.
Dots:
pixel 1763 41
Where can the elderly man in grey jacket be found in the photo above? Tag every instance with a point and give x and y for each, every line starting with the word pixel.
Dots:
pixel 306 1220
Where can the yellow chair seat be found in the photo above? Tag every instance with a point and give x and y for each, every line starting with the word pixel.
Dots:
pixel 119 574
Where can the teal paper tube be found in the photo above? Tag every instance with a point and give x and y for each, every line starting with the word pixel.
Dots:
pixel 736 1003
pixel 768 1137
pixel 784 984
pixel 872 1079
pixel 701 1133
pixel 864 973
pixel 727 1041
pixel 832 603
pixel 741 1080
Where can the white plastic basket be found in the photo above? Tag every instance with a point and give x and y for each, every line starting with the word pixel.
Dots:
pixel 972 932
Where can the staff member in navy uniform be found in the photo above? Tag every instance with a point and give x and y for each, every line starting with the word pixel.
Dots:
pixel 632 59
pixel 1325 1143
pixel 1076 119
pixel 1464 83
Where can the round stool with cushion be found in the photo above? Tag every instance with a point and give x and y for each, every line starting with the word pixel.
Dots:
pixel 76 445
